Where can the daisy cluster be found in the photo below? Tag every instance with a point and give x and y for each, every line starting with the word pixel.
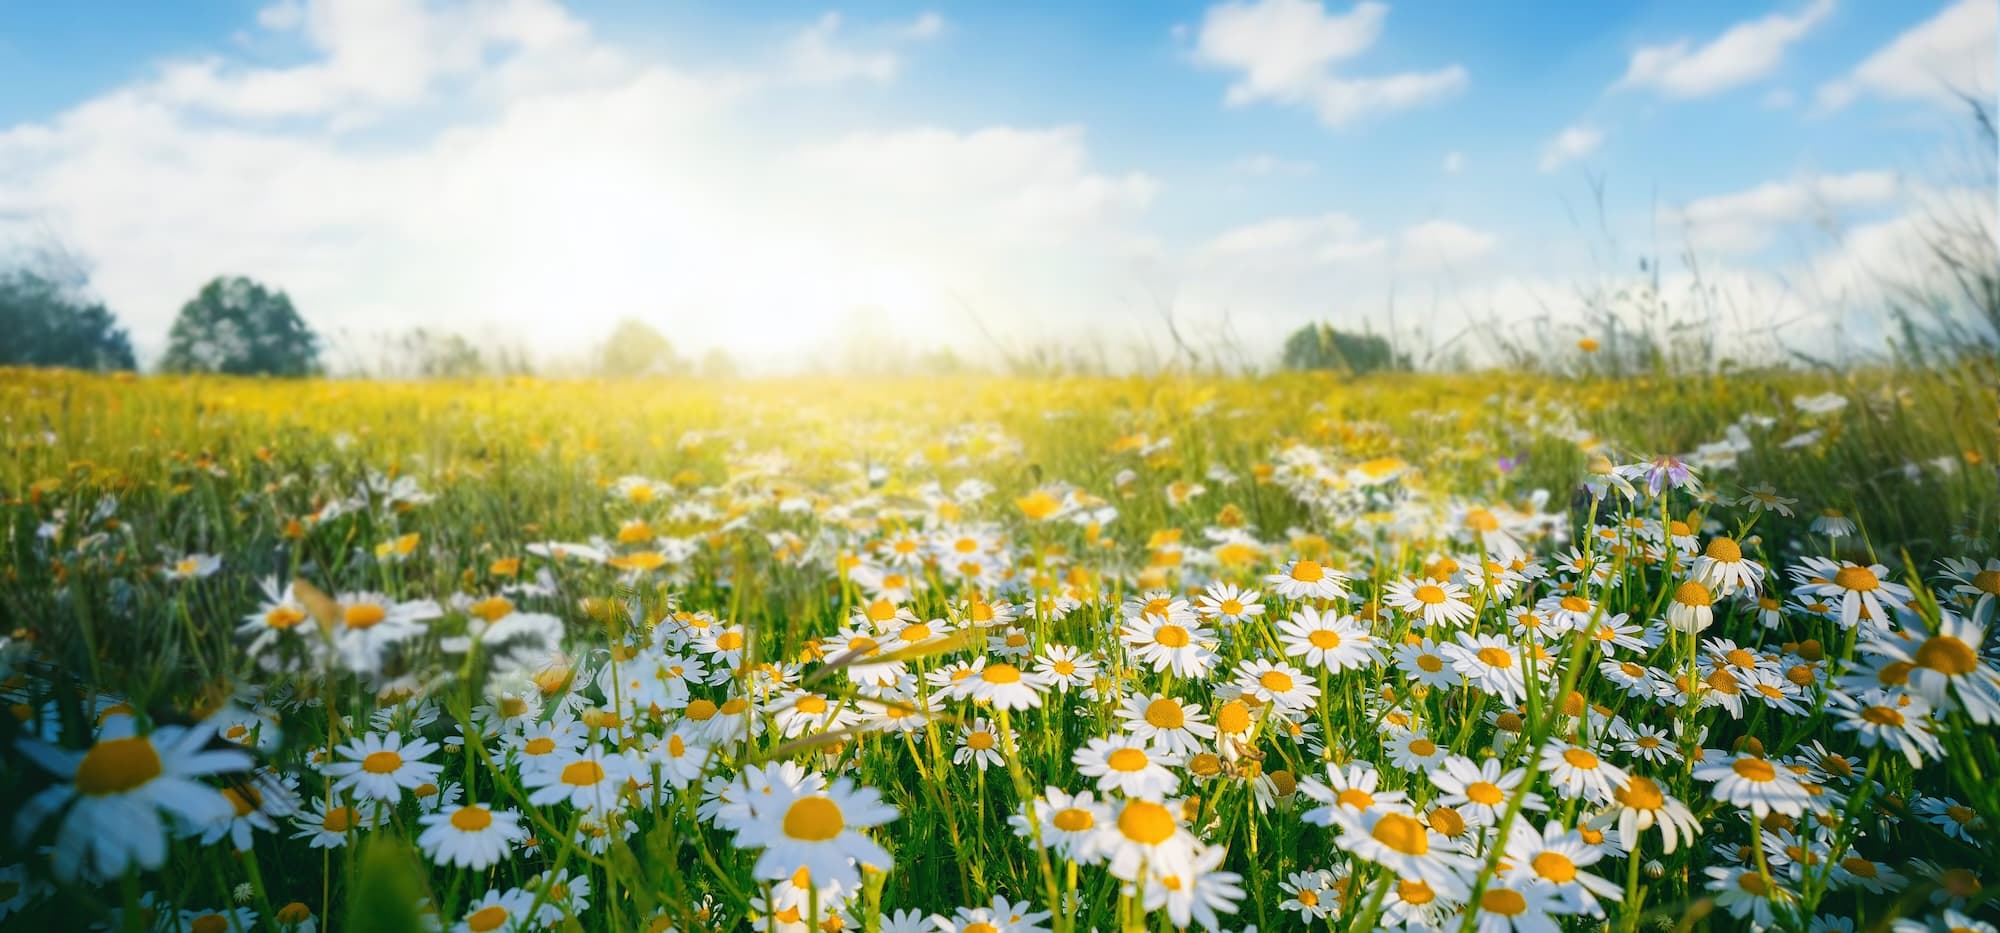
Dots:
pixel 895 701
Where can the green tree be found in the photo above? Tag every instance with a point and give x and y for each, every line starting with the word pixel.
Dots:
pixel 45 322
pixel 239 327
pixel 636 349
pixel 1319 346
pixel 426 354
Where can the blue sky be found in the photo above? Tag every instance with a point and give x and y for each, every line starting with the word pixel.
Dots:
pixel 817 170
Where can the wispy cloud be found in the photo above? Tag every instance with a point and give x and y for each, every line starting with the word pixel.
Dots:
pixel 1747 221
pixel 1573 143
pixel 1286 52
pixel 1936 60
pixel 1743 53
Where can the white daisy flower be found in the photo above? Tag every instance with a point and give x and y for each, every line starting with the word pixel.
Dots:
pixel 381 765
pixel 471 836
pixel 1125 765
pixel 1166 724
pixel 117 790
pixel 1755 783
pixel 1308 579
pixel 1330 640
pixel 816 830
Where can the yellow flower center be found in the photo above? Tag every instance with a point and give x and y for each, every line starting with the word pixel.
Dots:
pixel 1882 716
pixel 472 819
pixel 382 762
pixel 1554 866
pixel 1947 655
pixel 1073 820
pixel 1485 793
pixel 814 819
pixel 363 615
pixel 1430 594
pixel 582 773
pixel 1578 758
pixel 486 919
pixel 1001 674
pixel 1171 636
pixel 1402 833
pixel 1233 717
pixel 492 608
pixel 1852 577
pixel 1165 713
pixel 1496 657
pixel 1308 571
pixel 115 766
pixel 1755 769
pixel 1127 760
pixel 1276 681
pixel 1146 823
pixel 1503 901
pixel 1448 821
pixel 1693 594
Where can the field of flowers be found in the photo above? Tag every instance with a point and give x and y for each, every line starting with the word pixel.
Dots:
pixel 1481 652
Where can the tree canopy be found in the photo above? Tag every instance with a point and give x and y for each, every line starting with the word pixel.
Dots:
pixel 1319 346
pixel 237 326
pixel 45 322
pixel 636 349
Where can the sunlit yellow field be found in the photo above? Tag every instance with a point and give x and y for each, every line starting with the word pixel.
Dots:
pixel 1484 652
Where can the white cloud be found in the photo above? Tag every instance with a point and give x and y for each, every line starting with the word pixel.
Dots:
pixel 1743 53
pixel 1949 54
pixel 566 184
pixel 371 56
pixel 1454 162
pixel 282 16
pixel 1018 186
pixel 1446 243
pixel 815 55
pixel 927 25
pixel 1332 237
pixel 1336 238
pixel 1264 164
pixel 1286 50
pixel 1748 221
pixel 1573 143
